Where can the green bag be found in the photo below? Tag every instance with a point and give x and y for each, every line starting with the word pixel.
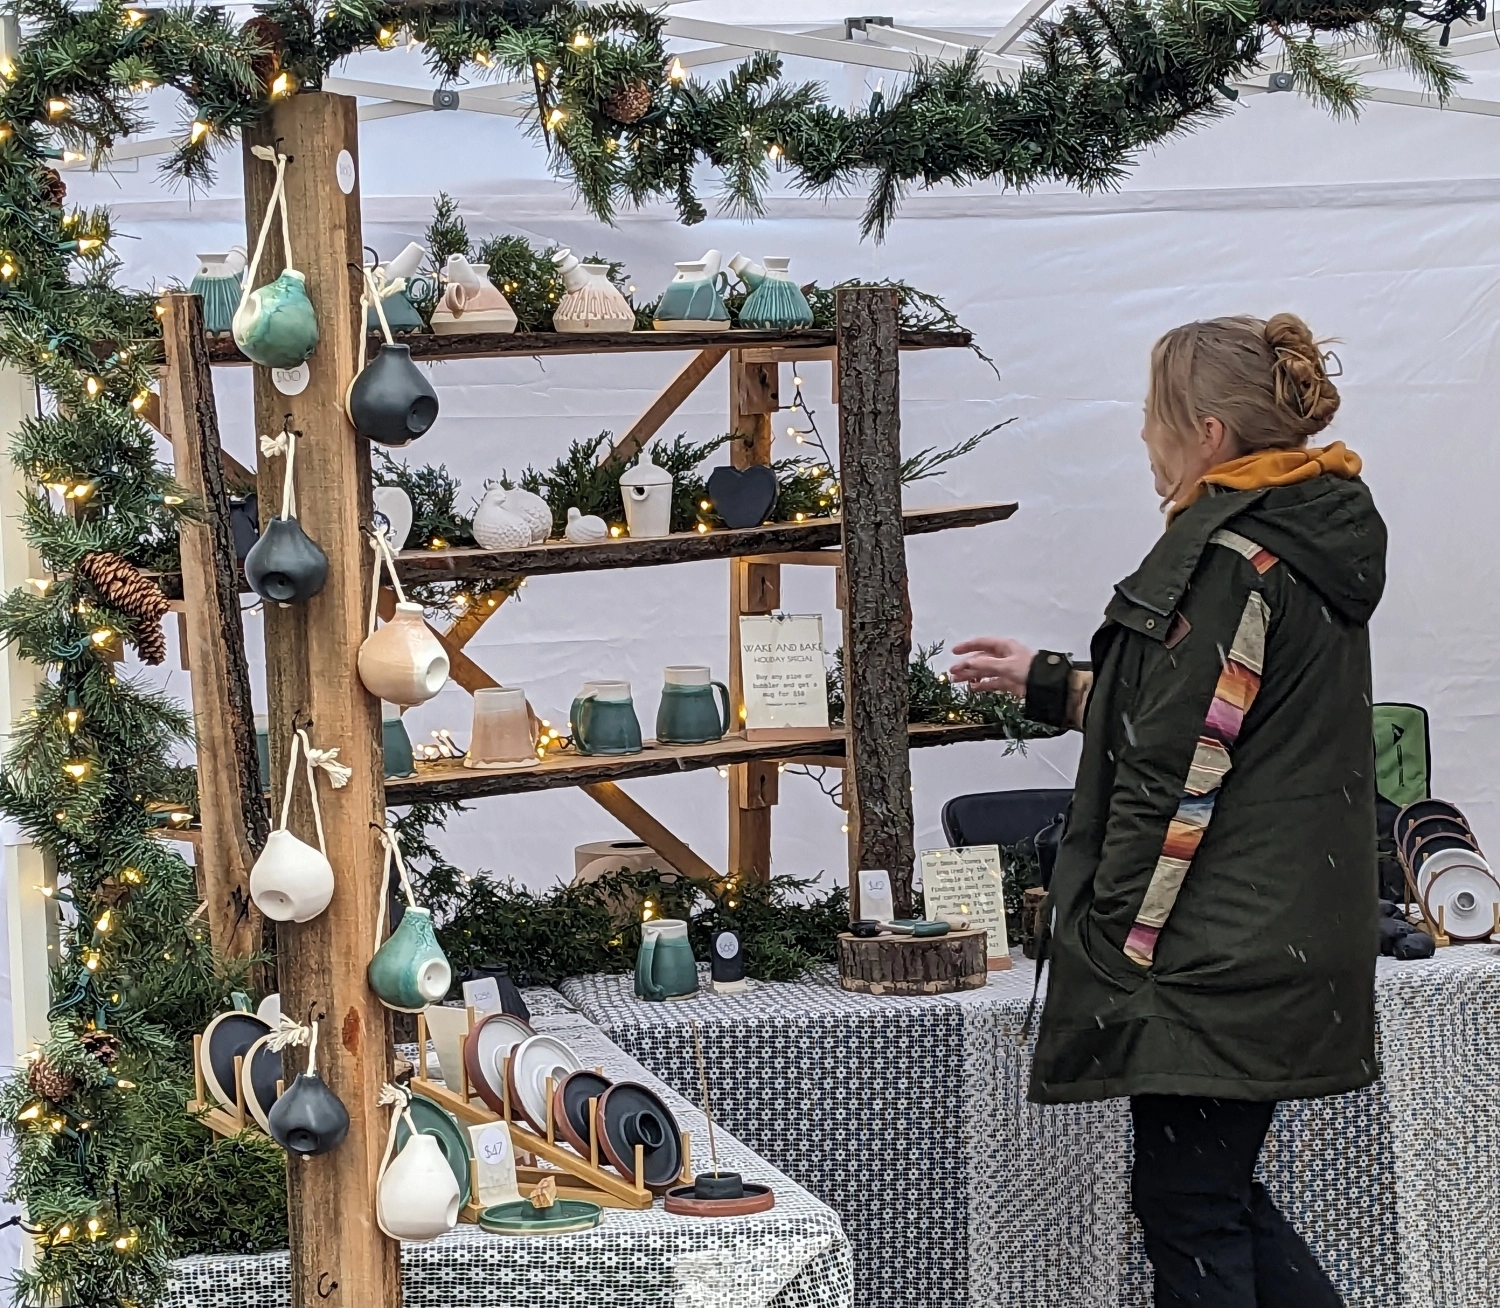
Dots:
pixel 1403 753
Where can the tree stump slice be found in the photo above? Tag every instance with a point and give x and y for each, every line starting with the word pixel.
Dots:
pixel 912 965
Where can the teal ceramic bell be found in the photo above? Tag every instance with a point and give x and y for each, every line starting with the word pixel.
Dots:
pixel 777 304
pixel 217 283
pixel 276 326
pixel 410 971
pixel 694 298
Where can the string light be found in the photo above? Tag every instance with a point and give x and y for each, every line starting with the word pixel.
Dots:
pixel 705 505
pixel 132 875
pixel 134 17
pixel 702 528
pixel 102 636
pixel 57 107
pixel 180 818
pixel 94 1226
pixel 106 920
pixel 773 153
pixel 76 768
pixel 93 386
pixel 139 402
pixel 92 961
pixel 555 117
pixel 614 531
pixel 581 41
pixel 71 717
pixel 7 69
pixel 7 267
pixel 198 131
pixel 41 583
pixel 171 500
pixel 282 85
pixel 676 73
pixel 30 1113
pixel 385 38
pixel 438 543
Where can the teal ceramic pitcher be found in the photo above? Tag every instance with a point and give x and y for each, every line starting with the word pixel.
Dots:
pixel 603 719
pixel 217 281
pixel 688 714
pixel 665 967
pixel 777 303
pixel 694 298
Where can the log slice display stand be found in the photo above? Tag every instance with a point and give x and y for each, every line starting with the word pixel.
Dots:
pixel 912 965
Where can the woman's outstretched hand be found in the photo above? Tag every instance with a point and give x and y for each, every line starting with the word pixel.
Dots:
pixel 993 663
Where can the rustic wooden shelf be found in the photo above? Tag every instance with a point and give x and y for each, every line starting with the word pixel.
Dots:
pixel 449 779
pixel 429 346
pixel 682 547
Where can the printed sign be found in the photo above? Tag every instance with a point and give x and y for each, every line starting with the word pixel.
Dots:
pixel 495 1163
pixel 966 883
pixel 786 685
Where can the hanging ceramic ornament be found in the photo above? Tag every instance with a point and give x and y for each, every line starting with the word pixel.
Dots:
pixel 393 515
pixel 416 1195
pixel 585 528
pixel 285 565
pixel 694 298
pixel 590 302
pixel 397 279
pixel 647 492
pixel 390 401
pixel 777 303
pixel 401 662
pixel 291 881
pixel 275 326
pixel 409 970
pixel 308 1118
pixel 471 303
pixel 218 282
pixel 533 508
pixel 495 526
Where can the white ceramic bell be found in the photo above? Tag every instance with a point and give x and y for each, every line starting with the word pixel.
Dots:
pixel 416 1197
pixel 496 527
pixel 403 662
pixel 585 528
pixel 647 491
pixel 394 505
pixel 291 881
pixel 536 511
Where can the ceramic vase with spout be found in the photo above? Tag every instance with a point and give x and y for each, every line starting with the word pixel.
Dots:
pixel 694 298
pixel 750 273
pixel 275 326
pixel 218 282
pixel 291 881
pixel 410 970
pixel 496 527
pixel 403 662
pixel 591 302
pixel 390 401
pixel 417 1195
pixel 471 303
pixel 400 311
pixel 285 565
pixel 646 489
pixel 777 304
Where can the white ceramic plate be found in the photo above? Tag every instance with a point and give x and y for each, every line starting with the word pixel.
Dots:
pixel 494 1036
pixel 1468 897
pixel 531 1063
pixel 1447 859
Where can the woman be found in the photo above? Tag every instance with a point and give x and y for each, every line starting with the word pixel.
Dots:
pixel 1214 898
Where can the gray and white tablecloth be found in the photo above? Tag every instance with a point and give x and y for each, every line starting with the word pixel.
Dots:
pixel 794 1256
pixel 908 1117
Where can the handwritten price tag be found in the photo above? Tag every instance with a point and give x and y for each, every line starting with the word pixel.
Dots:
pixel 493 1145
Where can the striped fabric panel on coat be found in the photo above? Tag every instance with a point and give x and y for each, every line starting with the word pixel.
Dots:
pixel 1239 681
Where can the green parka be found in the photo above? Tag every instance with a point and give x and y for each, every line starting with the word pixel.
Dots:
pixel 1214 898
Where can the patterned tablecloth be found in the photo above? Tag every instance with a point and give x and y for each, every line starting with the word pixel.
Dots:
pixel 794 1256
pixel 909 1118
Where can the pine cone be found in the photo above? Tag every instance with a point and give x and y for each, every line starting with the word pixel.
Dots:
pixel 121 585
pixel 268 32
pixel 54 192
pixel 48 1081
pixel 103 1045
pixel 629 103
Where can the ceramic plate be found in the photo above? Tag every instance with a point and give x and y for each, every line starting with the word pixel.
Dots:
pixel 258 1079
pixel 228 1036
pixel 492 1038
pixel 570 1106
pixel 435 1120
pixel 631 1114
pixel 1423 808
pixel 269 1010
pixel 1443 860
pixel 1467 896
pixel 531 1063
pixel 1436 825
pixel 565 1215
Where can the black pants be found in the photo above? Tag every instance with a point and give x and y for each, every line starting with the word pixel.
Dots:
pixel 1212 1233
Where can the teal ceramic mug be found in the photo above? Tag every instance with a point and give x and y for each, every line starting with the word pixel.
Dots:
pixel 665 967
pixel 688 714
pixel 409 970
pixel 603 719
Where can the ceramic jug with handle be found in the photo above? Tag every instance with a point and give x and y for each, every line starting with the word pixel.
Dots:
pixel 777 304
pixel 664 966
pixel 604 721
pixel 471 302
pixel 747 270
pixel 694 298
pixel 687 714
pixel 218 282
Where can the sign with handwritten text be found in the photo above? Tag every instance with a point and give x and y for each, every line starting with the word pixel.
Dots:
pixel 966 884
pixel 786 686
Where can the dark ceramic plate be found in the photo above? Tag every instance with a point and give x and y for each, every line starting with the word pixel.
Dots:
pixel 1421 809
pixel 229 1036
pixel 570 1106
pixel 260 1075
pixel 630 1114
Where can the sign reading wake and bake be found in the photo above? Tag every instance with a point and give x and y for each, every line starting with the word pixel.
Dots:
pixel 786 686
pixel 965 885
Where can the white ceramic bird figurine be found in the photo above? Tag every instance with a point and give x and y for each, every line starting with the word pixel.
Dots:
pixel 585 528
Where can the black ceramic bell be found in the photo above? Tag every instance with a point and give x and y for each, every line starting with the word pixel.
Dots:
pixel 285 565
pixel 391 402
pixel 308 1118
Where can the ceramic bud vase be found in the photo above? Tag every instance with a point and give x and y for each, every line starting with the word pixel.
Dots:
pixel 646 489
pixel 218 282
pixel 750 273
pixel 309 1118
pixel 471 303
pixel 777 304
pixel 694 299
pixel 403 662
pixel 275 326
pixel 496 527
pixel 409 970
pixel 391 402
pixel 291 881
pixel 285 565
pixel 591 302
pixel 417 1195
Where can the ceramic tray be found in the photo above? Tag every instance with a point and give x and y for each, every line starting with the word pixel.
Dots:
pixel 684 1202
pixel 565 1215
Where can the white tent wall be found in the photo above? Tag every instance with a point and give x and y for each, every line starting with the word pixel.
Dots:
pixel 1379 232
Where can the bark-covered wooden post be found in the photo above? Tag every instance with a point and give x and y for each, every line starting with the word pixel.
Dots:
pixel 877 608
pixel 231 803
pixel 340 1259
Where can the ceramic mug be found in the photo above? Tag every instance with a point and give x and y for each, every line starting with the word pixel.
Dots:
pixel 416 1197
pixel 664 966
pixel 504 735
pixel 603 719
pixel 409 970
pixel 291 881
pixel 688 714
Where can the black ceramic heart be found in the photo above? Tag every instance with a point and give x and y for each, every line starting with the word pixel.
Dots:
pixel 244 524
pixel 391 402
pixel 743 497
pixel 285 565
pixel 308 1118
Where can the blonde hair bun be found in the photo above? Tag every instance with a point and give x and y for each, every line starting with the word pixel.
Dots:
pixel 1301 373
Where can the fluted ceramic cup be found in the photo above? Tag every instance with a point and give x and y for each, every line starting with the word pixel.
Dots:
pixel 503 735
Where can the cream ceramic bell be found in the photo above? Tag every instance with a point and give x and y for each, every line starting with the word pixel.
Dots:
pixel 471 302
pixel 291 881
pixel 647 491
pixel 496 527
pixel 585 528
pixel 416 1196
pixel 536 511
pixel 402 661
pixel 591 302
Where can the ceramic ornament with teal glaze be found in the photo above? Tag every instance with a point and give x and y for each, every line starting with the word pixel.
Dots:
pixel 775 302
pixel 397 279
pixel 275 326
pixel 409 970
pixel 217 283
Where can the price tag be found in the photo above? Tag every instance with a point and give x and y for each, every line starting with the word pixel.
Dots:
pixel 875 895
pixel 483 996
pixel 291 381
pixel 492 1146
pixel 343 170
pixel 495 1162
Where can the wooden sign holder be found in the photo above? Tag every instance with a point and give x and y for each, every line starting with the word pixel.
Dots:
pixel 211 1115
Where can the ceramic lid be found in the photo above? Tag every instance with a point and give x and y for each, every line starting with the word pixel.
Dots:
pixel 645 473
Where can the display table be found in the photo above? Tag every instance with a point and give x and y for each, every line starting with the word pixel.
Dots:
pixel 908 1116
pixel 793 1256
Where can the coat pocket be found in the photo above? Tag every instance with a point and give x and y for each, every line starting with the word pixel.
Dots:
pixel 1105 957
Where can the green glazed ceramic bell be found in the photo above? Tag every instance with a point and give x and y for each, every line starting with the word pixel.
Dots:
pixel 276 326
pixel 410 971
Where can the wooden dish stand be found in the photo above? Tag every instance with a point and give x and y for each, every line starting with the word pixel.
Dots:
pixel 577 1177
pixel 210 1114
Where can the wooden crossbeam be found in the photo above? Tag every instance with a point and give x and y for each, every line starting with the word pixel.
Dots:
pixel 665 404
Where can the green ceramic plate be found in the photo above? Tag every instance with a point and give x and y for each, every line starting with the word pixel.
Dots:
pixel 565 1215
pixel 435 1120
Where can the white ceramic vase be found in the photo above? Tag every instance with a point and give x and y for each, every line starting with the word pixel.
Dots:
pixel 291 881
pixel 536 511
pixel 646 489
pixel 591 302
pixel 496 527
pixel 416 1197
pixel 403 661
